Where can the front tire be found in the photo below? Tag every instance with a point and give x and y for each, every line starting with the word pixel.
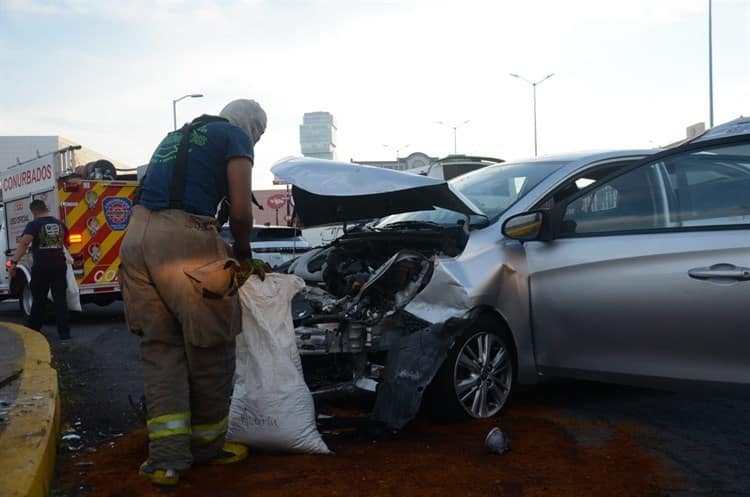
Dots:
pixel 477 378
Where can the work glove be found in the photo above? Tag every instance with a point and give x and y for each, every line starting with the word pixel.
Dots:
pixel 249 267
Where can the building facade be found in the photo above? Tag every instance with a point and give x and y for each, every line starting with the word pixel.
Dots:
pixel 411 161
pixel 277 207
pixel 317 135
pixel 15 149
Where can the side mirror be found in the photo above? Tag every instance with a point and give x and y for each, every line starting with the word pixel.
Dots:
pixel 524 227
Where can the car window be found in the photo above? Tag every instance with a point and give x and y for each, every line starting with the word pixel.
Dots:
pixel 451 171
pixel 583 180
pixel 693 189
pixel 710 188
pixel 628 202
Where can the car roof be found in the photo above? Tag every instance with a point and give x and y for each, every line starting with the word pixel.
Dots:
pixel 575 160
pixel 471 159
pixel 739 126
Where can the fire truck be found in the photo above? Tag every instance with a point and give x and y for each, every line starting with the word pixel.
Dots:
pixel 93 202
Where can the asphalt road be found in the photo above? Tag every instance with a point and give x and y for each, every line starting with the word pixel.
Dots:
pixel 97 369
pixel 703 440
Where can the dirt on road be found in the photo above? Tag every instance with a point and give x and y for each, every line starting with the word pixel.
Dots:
pixel 552 455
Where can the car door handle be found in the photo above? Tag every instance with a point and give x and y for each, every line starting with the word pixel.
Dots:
pixel 721 272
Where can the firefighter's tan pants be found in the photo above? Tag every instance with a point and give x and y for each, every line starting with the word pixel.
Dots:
pixel 182 306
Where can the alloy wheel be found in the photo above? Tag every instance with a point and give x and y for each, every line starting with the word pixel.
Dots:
pixel 483 375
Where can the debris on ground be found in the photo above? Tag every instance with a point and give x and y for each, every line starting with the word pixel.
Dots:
pixel 497 441
pixel 426 460
pixel 72 441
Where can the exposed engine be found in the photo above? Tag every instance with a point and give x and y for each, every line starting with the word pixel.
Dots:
pixel 358 285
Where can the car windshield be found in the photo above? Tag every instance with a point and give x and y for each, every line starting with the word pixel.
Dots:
pixel 492 189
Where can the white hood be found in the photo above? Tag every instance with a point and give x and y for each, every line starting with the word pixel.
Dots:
pixel 327 191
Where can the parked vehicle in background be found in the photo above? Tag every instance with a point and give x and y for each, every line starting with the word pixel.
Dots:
pixel 454 165
pixel 275 245
pixel 92 202
pixel 322 235
pixel 624 266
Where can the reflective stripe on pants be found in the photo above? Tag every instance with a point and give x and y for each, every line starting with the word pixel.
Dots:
pixel 209 432
pixel 169 425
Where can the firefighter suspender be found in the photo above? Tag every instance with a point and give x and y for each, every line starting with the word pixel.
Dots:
pixel 179 172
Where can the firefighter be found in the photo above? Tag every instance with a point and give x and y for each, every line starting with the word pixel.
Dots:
pixel 46 236
pixel 179 289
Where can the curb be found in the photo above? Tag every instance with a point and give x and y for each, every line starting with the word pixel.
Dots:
pixel 28 441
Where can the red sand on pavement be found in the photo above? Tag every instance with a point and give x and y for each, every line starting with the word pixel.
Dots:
pixel 427 459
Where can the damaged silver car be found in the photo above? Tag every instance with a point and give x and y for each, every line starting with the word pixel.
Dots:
pixel 559 266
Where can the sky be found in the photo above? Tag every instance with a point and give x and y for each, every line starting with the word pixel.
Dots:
pixel 627 74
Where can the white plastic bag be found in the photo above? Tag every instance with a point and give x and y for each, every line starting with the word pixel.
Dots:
pixel 72 294
pixel 272 408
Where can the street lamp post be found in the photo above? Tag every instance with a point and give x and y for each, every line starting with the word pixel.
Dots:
pixel 710 69
pixel 174 105
pixel 398 148
pixel 455 127
pixel 533 86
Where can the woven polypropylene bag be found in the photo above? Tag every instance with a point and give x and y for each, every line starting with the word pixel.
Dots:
pixel 272 408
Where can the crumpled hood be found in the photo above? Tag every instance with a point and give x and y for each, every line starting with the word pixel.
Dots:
pixel 327 191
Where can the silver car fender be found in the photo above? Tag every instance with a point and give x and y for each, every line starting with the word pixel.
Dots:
pixel 492 277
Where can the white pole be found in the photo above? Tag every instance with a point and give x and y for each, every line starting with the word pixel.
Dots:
pixel 710 69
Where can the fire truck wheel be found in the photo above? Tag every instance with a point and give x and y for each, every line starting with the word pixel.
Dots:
pixel 25 298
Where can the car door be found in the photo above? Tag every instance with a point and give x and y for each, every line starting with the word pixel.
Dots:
pixel 648 275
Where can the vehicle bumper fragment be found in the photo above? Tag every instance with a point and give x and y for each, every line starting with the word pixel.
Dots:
pixel 410 367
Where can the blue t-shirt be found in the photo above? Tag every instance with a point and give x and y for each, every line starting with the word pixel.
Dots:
pixel 211 146
pixel 48 243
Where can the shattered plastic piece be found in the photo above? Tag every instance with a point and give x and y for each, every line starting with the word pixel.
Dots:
pixel 37 397
pixel 497 442
pixel 409 369
pixel 394 269
pixel 324 300
pixel 367 384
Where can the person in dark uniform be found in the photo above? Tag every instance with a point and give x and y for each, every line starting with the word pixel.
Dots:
pixel 177 286
pixel 46 235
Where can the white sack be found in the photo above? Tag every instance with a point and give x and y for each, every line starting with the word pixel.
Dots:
pixel 272 408
pixel 72 294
